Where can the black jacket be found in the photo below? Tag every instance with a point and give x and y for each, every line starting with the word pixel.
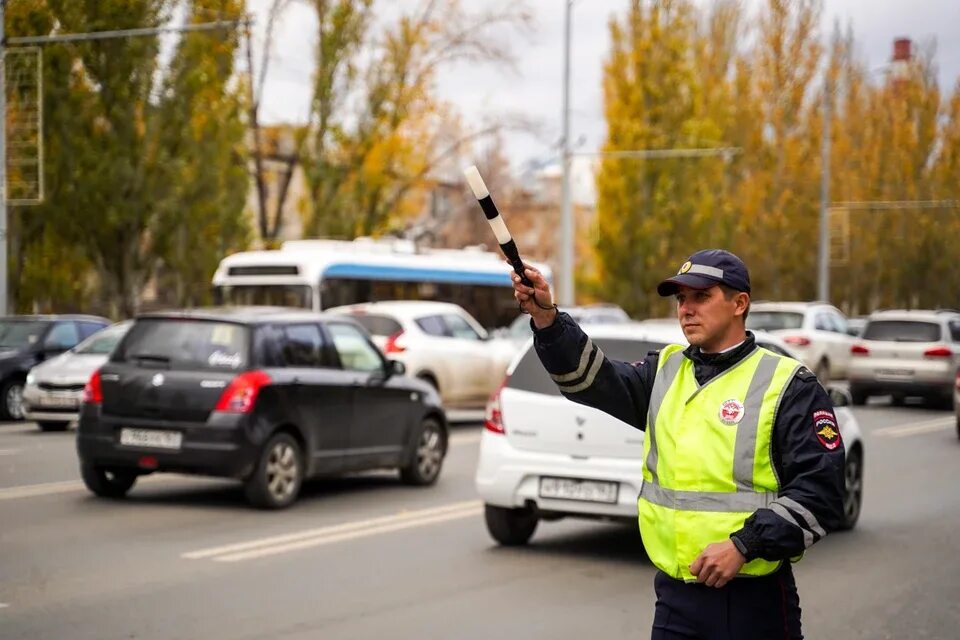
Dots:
pixel 807 457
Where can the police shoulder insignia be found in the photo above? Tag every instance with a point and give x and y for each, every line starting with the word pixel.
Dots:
pixel 825 426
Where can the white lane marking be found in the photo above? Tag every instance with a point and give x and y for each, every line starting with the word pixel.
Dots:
pixel 353 535
pixel 339 529
pixel 928 426
pixel 3 605
pixel 70 486
pixel 9 452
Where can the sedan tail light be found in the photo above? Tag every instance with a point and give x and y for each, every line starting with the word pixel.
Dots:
pixel 797 341
pixel 859 350
pixel 241 394
pixel 493 420
pixel 93 392
pixel 394 343
pixel 938 352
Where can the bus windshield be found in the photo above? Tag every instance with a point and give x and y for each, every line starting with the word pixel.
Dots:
pixel 281 295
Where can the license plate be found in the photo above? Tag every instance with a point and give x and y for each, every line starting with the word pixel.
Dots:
pixel 584 490
pixel 60 401
pixel 895 373
pixel 155 438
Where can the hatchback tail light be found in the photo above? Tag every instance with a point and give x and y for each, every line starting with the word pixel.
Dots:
pixel 493 420
pixel 938 352
pixel 93 392
pixel 395 343
pixel 859 350
pixel 241 394
pixel 797 341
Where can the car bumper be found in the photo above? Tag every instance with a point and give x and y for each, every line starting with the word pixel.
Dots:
pixel 510 477
pixel 221 446
pixel 51 406
pixel 904 387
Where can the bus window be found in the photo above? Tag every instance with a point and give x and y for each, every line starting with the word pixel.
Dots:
pixel 286 295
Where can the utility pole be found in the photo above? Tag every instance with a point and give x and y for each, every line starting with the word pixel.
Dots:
pixel 566 291
pixel 823 255
pixel 4 308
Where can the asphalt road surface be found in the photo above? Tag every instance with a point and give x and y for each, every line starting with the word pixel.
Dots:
pixel 366 557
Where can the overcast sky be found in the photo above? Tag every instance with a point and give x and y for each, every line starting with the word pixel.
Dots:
pixel 535 88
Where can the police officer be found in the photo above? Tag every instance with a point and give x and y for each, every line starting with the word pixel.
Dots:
pixel 743 462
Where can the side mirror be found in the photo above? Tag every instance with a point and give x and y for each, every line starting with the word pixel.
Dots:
pixel 396 368
pixel 840 397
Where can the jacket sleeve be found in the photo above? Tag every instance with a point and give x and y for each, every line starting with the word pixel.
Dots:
pixel 809 459
pixel 585 375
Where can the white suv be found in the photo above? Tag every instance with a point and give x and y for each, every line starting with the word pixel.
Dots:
pixel 816 332
pixel 438 342
pixel 543 457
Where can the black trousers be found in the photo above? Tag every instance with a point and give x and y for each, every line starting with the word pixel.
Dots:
pixel 764 608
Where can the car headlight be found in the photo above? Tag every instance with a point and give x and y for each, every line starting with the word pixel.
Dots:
pixel 31 379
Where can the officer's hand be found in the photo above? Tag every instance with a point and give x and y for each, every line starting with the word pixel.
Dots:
pixel 717 564
pixel 525 296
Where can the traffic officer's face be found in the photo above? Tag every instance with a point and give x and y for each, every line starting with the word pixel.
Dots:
pixel 708 318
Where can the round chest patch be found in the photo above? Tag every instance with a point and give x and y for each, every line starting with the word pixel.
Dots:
pixel 731 412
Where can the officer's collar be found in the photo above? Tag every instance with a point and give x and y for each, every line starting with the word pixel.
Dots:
pixel 727 357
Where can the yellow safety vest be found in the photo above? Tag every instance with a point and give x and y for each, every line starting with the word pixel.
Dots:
pixel 707 456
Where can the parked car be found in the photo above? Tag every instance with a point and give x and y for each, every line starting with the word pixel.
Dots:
pixel 817 332
pixel 537 445
pixel 267 396
pixel 519 330
pixel 26 341
pixel 54 388
pixel 855 325
pixel 907 353
pixel 439 343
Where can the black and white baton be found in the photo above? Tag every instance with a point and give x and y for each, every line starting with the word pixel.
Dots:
pixel 507 245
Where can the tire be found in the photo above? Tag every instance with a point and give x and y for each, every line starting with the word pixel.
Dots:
pixel 822 371
pixel 853 489
pixel 858 396
pixel 958 425
pixel 276 481
pixel 426 459
pixel 105 482
pixel 11 400
pixel 898 400
pixel 510 527
pixel 48 426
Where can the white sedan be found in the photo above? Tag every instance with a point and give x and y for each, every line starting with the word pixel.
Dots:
pixel 440 343
pixel 545 457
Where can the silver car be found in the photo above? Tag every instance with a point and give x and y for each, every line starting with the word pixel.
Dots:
pixel 54 388
pixel 907 353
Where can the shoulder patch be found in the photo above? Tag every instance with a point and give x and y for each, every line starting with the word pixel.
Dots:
pixel 826 429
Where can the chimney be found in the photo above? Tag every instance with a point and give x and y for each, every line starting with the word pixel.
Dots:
pixel 900 63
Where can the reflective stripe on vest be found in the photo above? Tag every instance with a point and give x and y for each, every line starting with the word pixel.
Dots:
pixel 706 471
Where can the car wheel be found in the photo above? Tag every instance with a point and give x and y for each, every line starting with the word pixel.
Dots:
pixel 11 400
pixel 425 463
pixel 898 400
pixel 853 489
pixel 857 396
pixel 510 527
pixel 822 371
pixel 50 425
pixel 106 482
pixel 276 481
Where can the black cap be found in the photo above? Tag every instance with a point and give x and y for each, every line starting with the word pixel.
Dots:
pixel 708 268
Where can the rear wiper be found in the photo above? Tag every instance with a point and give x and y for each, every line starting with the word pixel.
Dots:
pixel 141 357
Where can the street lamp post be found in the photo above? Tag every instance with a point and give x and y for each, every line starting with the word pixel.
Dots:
pixel 566 285
pixel 823 255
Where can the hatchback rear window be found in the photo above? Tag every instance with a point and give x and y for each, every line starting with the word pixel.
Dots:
pixel 378 325
pixel 185 344
pixel 902 331
pixel 531 376
pixel 774 320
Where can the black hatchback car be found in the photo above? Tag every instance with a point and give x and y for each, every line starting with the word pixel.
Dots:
pixel 26 341
pixel 265 395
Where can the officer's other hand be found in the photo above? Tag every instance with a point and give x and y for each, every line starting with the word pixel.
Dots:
pixel 717 564
pixel 542 317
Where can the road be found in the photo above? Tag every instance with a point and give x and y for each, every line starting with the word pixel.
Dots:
pixel 366 557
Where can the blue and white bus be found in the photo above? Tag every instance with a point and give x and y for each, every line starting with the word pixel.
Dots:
pixel 319 274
